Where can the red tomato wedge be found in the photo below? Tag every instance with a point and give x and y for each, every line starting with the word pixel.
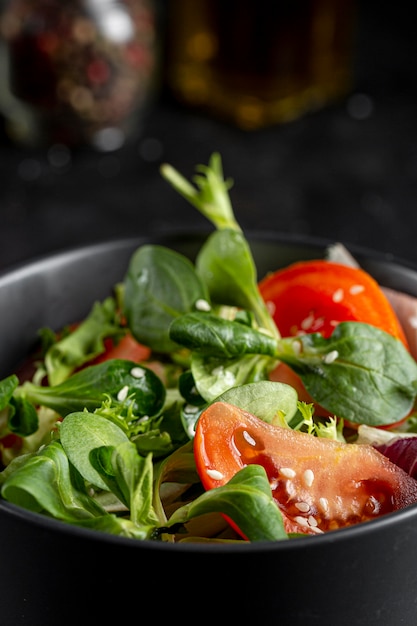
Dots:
pixel 318 484
pixel 314 296
pixel 127 348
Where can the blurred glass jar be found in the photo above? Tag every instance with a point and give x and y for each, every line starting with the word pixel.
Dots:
pixel 257 62
pixel 83 72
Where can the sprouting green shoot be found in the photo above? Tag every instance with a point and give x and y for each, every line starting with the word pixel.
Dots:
pixel 210 195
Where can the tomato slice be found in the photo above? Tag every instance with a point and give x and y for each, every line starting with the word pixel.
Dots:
pixel 127 348
pixel 314 296
pixel 319 484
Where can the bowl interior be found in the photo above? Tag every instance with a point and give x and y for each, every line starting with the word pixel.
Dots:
pixel 350 572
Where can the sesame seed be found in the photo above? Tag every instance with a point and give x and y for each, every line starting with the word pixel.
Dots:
pixel 215 474
pixel 137 372
pixel 288 472
pixel 247 437
pixel 273 483
pixel 312 520
pixel 318 323
pixel 324 505
pixel 338 295
pixel 308 477
pixel 356 289
pixel 271 307
pixel 302 506
pixel 307 322
pixel 301 520
pixel 330 357
pixel 122 395
pixel 316 530
pixel 202 305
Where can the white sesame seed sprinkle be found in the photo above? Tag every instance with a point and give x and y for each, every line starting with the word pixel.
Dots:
pixel 288 472
pixel 301 520
pixel 312 520
pixel 202 305
pixel 248 438
pixel 215 474
pixel 137 372
pixel 308 477
pixel 338 295
pixel 271 307
pixel 356 289
pixel 316 530
pixel 302 506
pixel 324 505
pixel 330 357
pixel 122 395
pixel 307 322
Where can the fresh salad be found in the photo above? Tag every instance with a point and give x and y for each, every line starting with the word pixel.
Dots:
pixel 199 403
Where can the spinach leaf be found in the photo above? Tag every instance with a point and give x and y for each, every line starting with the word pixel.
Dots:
pixel 7 388
pixel 41 482
pixel 247 500
pixel 360 373
pixel 273 402
pixel 226 265
pixel 213 336
pixel 214 376
pixel 125 382
pixel 46 482
pixel 19 416
pixel 160 285
pixel 82 432
pixel 130 477
pixel 23 419
pixel 225 261
pixel 84 343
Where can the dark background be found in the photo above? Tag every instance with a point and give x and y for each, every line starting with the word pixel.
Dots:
pixel 330 174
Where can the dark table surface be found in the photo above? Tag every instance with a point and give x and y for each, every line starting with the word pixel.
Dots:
pixel 334 173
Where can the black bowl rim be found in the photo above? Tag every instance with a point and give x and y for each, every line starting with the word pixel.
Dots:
pixel 64 254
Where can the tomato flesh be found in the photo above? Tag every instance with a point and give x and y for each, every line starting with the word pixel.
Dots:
pixel 127 348
pixel 318 484
pixel 314 296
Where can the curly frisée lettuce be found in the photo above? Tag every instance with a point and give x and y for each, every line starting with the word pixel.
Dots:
pixel 110 443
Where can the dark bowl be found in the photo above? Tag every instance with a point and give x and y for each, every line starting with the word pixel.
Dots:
pixel 56 574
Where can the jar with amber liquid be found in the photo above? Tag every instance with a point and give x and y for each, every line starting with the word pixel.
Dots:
pixel 82 71
pixel 256 62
